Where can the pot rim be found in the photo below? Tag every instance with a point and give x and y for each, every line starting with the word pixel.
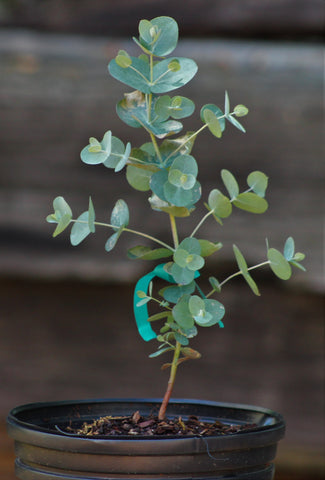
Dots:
pixel 270 430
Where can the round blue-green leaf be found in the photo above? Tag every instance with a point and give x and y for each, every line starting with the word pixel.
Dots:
pixel 112 240
pixel 230 183
pixel 208 248
pixel 117 152
pixel 173 293
pixel 165 80
pixel 159 35
pixel 178 196
pixel 279 265
pixel 212 122
pixel 258 181
pixel 181 107
pixel 181 313
pixel 218 113
pixel 120 214
pixel 80 231
pixel 196 305
pixel 191 245
pixel 182 276
pixel 219 203
pixel 137 75
pixel 158 182
pixel 216 310
pixel 186 164
pixel 139 178
pixel 289 249
pixel 251 202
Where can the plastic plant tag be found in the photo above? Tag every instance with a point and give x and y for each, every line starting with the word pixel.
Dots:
pixel 141 311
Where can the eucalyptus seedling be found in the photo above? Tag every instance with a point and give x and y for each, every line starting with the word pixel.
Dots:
pixel 166 168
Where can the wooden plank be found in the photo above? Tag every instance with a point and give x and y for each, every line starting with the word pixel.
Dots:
pixel 247 18
pixel 55 92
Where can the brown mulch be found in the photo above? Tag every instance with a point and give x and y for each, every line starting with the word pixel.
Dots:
pixel 136 424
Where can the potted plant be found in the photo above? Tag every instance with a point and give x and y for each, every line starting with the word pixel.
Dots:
pixel 177 439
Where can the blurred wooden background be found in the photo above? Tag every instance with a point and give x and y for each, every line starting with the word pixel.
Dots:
pixel 55 92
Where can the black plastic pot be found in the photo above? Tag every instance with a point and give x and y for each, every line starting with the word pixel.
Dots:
pixel 43 452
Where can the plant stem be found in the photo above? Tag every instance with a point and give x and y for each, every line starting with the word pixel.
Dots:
pixel 201 222
pixel 171 382
pixel 129 230
pixel 236 275
pixel 174 229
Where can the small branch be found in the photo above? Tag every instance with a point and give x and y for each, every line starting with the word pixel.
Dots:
pixel 201 222
pixel 129 230
pixel 237 274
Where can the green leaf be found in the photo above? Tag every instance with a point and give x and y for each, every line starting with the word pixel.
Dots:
pixel 251 283
pixel 235 123
pixel 112 240
pixel 230 183
pixel 137 77
pixel 182 276
pixel 97 152
pixel 196 305
pixel 165 80
pixel 215 284
pixel 251 202
pixel 289 249
pixel 216 312
pixel 122 162
pixel 80 231
pixel 258 181
pixel 62 215
pixel 181 313
pixel 240 110
pixel 173 293
pixel 146 253
pixel 218 113
pixel 213 123
pixel 182 339
pixel 241 262
pixel 219 203
pixel 91 216
pixel 208 248
pixel 159 35
pixel 139 177
pixel 120 215
pixel 123 59
pixel 160 352
pixel 279 265
pixel 133 110
pixel 159 316
pixel 115 154
pixel 227 103
pixel 242 265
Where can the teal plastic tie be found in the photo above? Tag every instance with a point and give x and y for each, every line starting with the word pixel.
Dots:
pixel 141 311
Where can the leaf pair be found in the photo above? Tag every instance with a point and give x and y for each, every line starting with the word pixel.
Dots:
pixel 82 227
pixel 192 309
pixel 215 119
pixel 281 263
pixel 251 201
pixel 187 261
pixel 167 75
pixel 119 220
pixel 111 152
pixel 178 185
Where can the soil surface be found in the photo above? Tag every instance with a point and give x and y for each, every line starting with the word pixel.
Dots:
pixel 137 424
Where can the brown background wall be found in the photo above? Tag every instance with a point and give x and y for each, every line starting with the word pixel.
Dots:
pixel 54 93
